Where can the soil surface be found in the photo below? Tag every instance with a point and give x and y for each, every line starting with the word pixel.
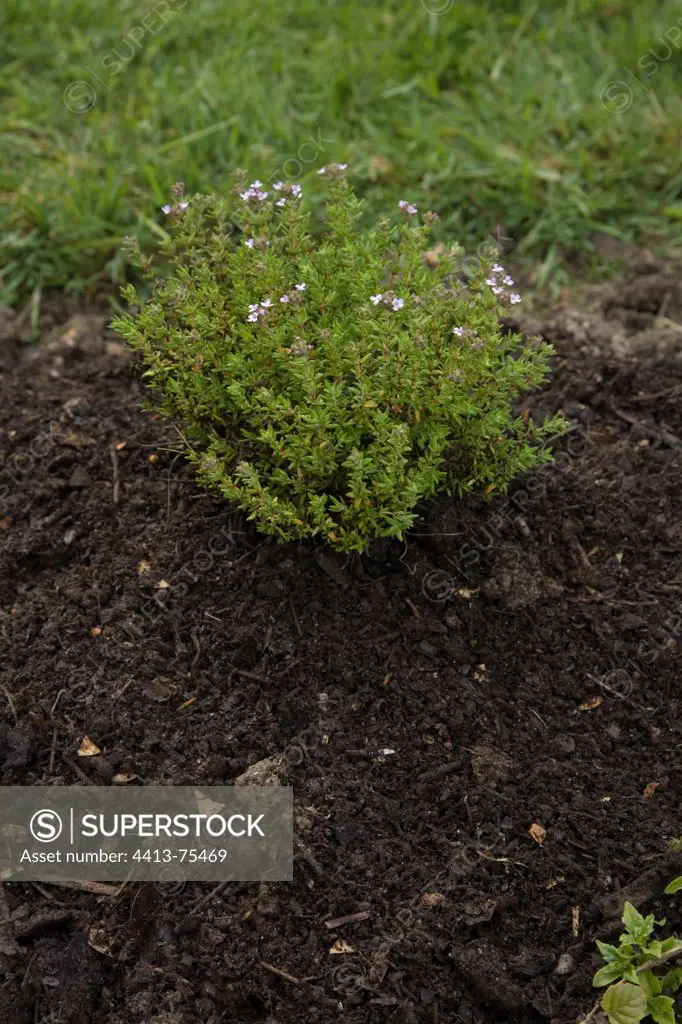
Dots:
pixel 482 725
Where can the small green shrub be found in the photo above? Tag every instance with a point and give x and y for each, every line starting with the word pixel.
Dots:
pixel 327 385
pixel 635 970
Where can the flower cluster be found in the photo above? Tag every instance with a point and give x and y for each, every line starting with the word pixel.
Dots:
pixel 408 208
pixel 257 310
pixel 295 191
pixel 175 207
pixel 256 243
pixel 387 299
pixel 292 297
pixel 299 347
pixel 254 192
pixel 497 283
pixel 332 170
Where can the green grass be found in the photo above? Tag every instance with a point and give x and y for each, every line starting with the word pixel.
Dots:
pixel 489 114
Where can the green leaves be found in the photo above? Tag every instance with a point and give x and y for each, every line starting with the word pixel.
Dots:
pixel 624 1004
pixel 641 984
pixel 673 886
pixel 335 383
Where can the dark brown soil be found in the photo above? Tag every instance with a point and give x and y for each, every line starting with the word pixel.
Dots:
pixel 517 660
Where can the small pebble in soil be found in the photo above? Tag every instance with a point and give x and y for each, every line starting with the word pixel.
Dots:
pixel 564 744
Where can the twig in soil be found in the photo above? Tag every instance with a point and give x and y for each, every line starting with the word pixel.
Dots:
pixel 114 464
pixel 338 922
pixel 436 773
pixel 56 701
pixel 8 944
pixel 79 771
pixel 294 616
pixel 280 974
pixel 205 900
pixel 98 888
pixel 10 702
pixel 309 858
pixel 248 675
pixel 53 751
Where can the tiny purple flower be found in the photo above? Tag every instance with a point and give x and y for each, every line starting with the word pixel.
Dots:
pixel 281 202
pixel 514 299
pixel 253 306
pixel 183 205
pixel 296 190
pixel 300 287
pixel 249 243
pixel 497 269
pixel 508 280
pixel 278 186
pixel 266 303
pixel 398 303
pixel 322 170
pixel 497 291
pixel 491 281
pixel 166 208
pixel 376 299
pixel 285 298
pixel 246 195
pixel 252 317
pixel 342 167
pixel 256 184
pixel 459 331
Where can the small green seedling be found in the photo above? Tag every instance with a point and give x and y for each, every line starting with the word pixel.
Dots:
pixel 635 971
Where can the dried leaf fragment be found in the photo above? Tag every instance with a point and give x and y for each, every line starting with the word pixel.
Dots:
pixel 433 899
pixel 88 748
pixel 650 789
pixel 160 689
pixel 341 946
pixel 537 832
pixel 591 704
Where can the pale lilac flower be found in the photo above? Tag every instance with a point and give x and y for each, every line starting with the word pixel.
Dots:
pixel 491 281
pixel 166 208
pixel 281 202
pixel 497 291
pixel 278 185
pixel 253 193
pixel 253 306
pixel 266 303
pixel 332 168
pixel 285 298
pixel 300 287
pixel 252 317
pixel 249 243
pixel 407 207
pixel 459 331
pixel 256 184
pixel 376 299
pixel 398 303
pixel 497 269
pixel 296 191
pixel 514 299
pixel 183 205
pixel 508 280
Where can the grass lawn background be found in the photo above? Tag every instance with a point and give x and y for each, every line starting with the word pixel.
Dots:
pixel 496 114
